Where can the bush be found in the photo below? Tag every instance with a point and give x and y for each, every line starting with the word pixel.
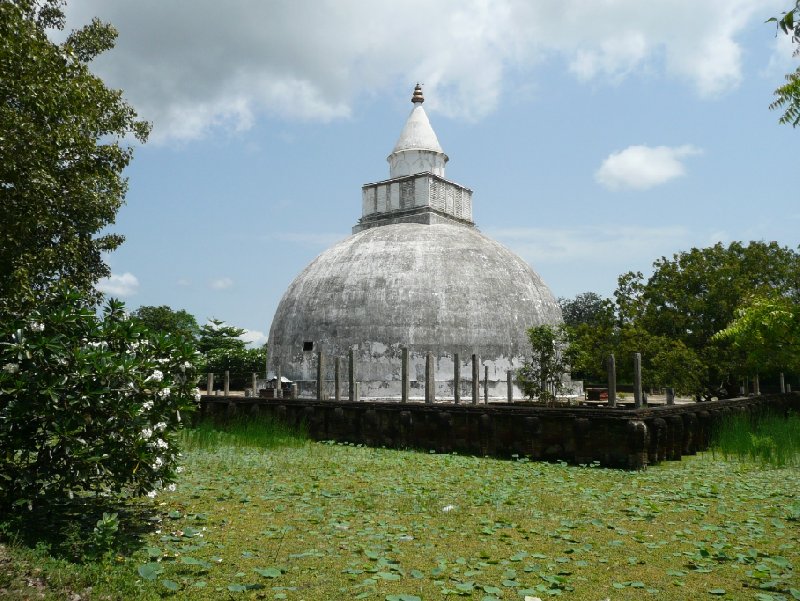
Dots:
pixel 88 403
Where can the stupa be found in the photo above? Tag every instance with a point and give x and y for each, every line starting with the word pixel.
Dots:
pixel 415 273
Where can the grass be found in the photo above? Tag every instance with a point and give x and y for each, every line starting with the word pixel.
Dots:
pixel 274 516
pixel 768 440
pixel 242 433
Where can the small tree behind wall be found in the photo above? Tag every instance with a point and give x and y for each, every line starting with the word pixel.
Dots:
pixel 543 375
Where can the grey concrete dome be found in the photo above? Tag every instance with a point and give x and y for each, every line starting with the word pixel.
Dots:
pixel 444 288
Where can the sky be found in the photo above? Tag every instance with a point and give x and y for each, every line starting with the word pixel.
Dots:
pixel 597 136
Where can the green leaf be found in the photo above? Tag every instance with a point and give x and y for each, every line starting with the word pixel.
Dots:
pixel 171 585
pixel 402 597
pixel 388 576
pixel 717 591
pixel 191 561
pixel 150 571
pixel 267 572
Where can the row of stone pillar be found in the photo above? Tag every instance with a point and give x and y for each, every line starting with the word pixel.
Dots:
pixel 638 396
pixel 405 382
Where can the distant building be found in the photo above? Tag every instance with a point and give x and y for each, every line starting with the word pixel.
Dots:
pixel 416 273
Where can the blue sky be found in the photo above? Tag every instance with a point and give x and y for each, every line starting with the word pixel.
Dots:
pixel 596 136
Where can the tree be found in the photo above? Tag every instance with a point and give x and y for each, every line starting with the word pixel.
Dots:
pixel 587 308
pixel 692 296
pixel 216 335
pixel 62 153
pixel 767 329
pixel 223 350
pixel 163 319
pixel 788 95
pixel 88 403
pixel 543 376
pixel 591 334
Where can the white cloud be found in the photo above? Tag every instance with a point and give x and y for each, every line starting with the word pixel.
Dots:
pixel 643 167
pixel 783 59
pixel 223 64
pixel 119 285
pixel 253 338
pixel 221 283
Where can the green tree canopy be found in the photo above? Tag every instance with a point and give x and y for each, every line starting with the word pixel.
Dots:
pixel 62 153
pixel 695 294
pixel 672 318
pixel 216 335
pixel 543 375
pixel 767 329
pixel 165 320
pixel 586 308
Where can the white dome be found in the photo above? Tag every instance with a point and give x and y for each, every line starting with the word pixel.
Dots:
pixel 441 288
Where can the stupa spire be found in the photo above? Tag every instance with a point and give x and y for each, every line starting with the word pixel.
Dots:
pixel 418 149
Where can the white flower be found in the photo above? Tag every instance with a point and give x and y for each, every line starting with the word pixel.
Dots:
pixel 179 469
pixel 171 488
pixel 147 405
pixel 36 326
pixel 152 494
pixel 146 433
pixel 160 427
pixel 164 393
pixel 161 444
pixel 11 368
pixel 159 462
pixel 448 508
pixel 156 376
pixel 187 364
pixel 197 395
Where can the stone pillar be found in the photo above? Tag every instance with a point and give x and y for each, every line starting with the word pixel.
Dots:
pixel 337 379
pixel 351 374
pixel 788 387
pixel 510 385
pixel 254 383
pixel 611 366
pixel 783 384
pixel 320 374
pixel 210 383
pixel 637 380
pixel 227 382
pixel 475 380
pixel 430 383
pixel 356 392
pixel 294 391
pixel 756 386
pixel 456 379
pixel 670 396
pixel 404 375
pixel 486 384
pixel 278 383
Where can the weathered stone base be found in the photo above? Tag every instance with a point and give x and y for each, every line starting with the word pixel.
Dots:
pixel 613 437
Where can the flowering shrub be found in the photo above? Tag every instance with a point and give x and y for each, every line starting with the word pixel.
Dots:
pixel 88 403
